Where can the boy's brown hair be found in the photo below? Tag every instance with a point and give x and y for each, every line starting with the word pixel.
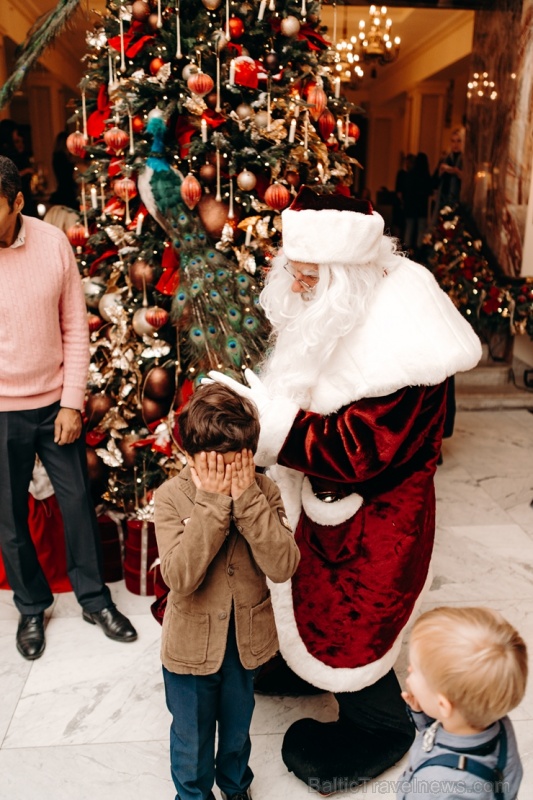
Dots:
pixel 217 418
pixel 475 658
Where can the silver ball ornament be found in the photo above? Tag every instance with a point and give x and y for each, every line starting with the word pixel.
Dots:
pixel 139 323
pixel 93 289
pixel 246 180
pixel 244 111
pixel 290 26
pixel 188 70
pixel 261 119
pixel 109 304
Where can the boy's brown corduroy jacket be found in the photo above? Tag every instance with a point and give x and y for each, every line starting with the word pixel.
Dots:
pixel 215 554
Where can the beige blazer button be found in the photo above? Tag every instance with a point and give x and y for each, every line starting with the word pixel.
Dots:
pixel 222 615
pixel 230 570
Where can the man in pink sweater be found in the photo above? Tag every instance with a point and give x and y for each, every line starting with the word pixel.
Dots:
pixel 44 360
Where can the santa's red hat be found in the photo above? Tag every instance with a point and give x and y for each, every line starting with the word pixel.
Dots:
pixel 331 229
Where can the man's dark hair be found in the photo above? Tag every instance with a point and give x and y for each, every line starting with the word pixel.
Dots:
pixel 10 184
pixel 217 418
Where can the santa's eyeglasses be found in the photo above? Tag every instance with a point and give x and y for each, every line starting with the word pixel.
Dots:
pixel 313 277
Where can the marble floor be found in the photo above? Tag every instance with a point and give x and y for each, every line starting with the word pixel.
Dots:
pixel 89 720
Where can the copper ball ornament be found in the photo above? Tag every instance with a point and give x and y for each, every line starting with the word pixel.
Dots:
pixel 156 317
pixel 271 61
pixel 125 445
pixel 290 26
pixel 199 83
pixel 96 469
pixel 277 196
pixel 94 322
pixel 293 178
pixel 76 143
pixel 211 5
pixel 138 124
pixel 77 235
pixel 96 408
pixel 211 100
pixel 318 100
pixel 236 27
pixel 191 191
pixel 159 384
pixel 353 131
pixel 116 139
pixel 326 124
pixel 208 173
pixel 152 410
pixel 141 275
pixel 140 10
pixel 246 180
pixel 213 215
pixel 153 21
pixel 156 64
pixel 125 188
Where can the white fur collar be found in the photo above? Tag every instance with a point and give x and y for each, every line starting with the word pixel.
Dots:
pixel 412 336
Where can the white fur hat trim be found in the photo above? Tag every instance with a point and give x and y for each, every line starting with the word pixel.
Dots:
pixel 329 236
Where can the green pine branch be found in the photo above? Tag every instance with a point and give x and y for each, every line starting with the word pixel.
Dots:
pixel 40 37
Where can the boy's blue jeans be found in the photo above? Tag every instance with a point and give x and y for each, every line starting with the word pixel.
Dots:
pixel 197 703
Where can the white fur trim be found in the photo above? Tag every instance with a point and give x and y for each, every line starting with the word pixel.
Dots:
pixel 329 236
pixel 300 660
pixel 277 418
pixel 40 486
pixel 329 513
pixel 412 335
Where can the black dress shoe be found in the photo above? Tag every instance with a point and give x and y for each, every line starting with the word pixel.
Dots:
pixel 30 636
pixel 114 624
pixel 239 796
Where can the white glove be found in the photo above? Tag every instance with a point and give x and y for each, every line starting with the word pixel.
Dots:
pixel 256 391
pixel 276 414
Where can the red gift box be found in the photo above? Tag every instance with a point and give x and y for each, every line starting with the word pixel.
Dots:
pixel 112 539
pixel 46 529
pixel 140 556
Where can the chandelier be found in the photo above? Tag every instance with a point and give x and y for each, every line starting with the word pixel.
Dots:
pixel 481 88
pixel 375 43
pixel 347 58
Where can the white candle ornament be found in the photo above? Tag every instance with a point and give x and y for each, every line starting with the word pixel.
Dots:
pixel 203 126
pixel 296 107
pixel 262 9
pixel 304 9
pixel 102 198
pixel 139 226
pixel 159 17
pixel 306 132
pixel 178 32
pixel 232 72
pixel 231 213
pixel 227 20
pixel 84 112
pixel 122 50
pixel 130 123
pixel 218 196
pixel 292 131
pixel 337 83
pixel 340 130
pixel 94 197
pixel 217 107
pixel 248 239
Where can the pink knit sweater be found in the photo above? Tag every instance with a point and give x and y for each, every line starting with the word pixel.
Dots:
pixel 44 337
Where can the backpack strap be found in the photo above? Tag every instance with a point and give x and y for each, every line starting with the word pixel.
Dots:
pixel 465 763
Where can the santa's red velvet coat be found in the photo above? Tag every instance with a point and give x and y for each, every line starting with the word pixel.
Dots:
pixel 370 437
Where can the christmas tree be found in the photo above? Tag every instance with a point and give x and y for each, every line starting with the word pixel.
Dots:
pixel 198 121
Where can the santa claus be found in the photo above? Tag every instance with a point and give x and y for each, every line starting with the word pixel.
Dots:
pixel 352 401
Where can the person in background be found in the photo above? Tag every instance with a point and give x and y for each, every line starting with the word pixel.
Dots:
pixel 221 531
pixel 417 188
pixel 44 361
pixel 467 670
pixel 13 146
pixel 64 203
pixel 449 174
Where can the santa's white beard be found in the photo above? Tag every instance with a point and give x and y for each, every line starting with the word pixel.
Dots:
pixel 307 328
